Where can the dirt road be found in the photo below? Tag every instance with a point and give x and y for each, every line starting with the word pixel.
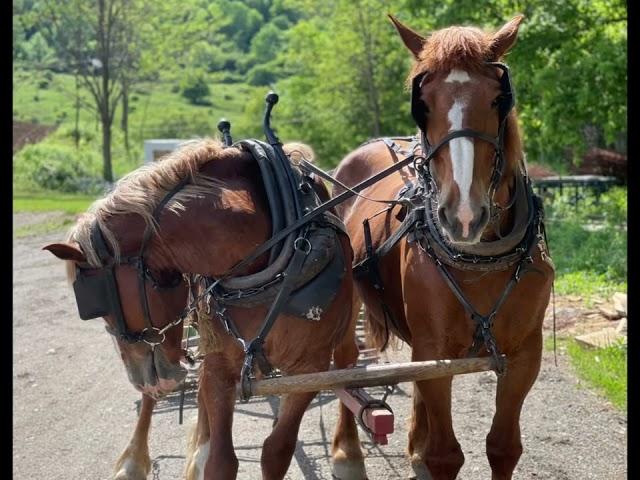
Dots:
pixel 74 408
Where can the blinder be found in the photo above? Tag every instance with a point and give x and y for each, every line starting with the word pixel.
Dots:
pixel 93 293
pixel 96 292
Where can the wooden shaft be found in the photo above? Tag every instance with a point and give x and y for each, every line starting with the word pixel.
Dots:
pixel 370 376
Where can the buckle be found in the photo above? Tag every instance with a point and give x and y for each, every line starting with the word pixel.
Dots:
pixel 153 336
pixel 306 246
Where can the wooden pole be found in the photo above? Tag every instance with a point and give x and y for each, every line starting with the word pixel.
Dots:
pixel 370 376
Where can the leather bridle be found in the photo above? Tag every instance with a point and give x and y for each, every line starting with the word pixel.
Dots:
pixel 505 103
pixel 96 288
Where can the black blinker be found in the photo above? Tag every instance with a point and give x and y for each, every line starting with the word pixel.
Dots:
pixel 92 294
pixel 418 108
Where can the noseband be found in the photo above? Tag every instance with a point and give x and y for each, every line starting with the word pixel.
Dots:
pixel 97 292
pixel 419 113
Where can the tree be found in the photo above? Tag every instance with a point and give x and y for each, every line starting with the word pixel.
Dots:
pixel 95 40
pixel 569 68
pixel 346 70
pixel 195 87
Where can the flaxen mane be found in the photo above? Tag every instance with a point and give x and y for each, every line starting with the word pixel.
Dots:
pixel 140 191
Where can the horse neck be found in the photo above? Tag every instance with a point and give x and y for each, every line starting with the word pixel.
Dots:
pixel 214 231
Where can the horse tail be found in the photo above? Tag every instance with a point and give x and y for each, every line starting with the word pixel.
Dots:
pixel 378 335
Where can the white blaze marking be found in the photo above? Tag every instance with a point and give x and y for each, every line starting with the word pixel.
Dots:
pixel 461 152
pixel 201 459
pixel 457 76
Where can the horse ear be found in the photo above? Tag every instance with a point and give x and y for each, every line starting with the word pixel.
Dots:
pixel 505 38
pixel 66 251
pixel 412 40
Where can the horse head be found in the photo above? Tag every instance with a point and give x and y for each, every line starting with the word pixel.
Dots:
pixel 462 103
pixel 152 359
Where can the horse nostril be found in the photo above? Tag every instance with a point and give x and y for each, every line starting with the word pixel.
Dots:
pixel 484 216
pixel 482 219
pixel 442 216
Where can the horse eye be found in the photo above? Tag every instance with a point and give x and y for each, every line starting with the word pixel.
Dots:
pixel 497 100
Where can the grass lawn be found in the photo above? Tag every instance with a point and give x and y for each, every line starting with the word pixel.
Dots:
pixel 152 104
pixel 604 369
pixel 51 202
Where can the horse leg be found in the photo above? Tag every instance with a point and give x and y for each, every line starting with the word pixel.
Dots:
pixel 504 446
pixel 418 437
pixel 442 453
pixel 279 446
pixel 218 393
pixel 348 461
pixel 134 463
pixel 198 449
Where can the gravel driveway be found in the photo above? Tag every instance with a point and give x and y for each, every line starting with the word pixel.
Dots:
pixel 74 408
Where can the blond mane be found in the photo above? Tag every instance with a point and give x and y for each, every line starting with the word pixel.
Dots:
pixel 141 191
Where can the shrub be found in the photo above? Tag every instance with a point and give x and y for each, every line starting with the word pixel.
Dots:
pixel 261 75
pixel 195 88
pixel 226 77
pixel 588 243
pixel 58 167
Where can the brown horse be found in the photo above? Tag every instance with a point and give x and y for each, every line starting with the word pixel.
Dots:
pixel 217 215
pixel 477 233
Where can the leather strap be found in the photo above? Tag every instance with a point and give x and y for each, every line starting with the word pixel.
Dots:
pixel 254 349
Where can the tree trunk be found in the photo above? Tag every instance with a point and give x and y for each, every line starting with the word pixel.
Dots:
pixel 76 131
pixel 107 171
pixel 124 122
pixel 370 79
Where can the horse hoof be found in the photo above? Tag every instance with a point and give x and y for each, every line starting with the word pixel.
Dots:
pixel 349 470
pixel 420 471
pixel 131 472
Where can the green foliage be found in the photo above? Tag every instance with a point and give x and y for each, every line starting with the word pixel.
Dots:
pixel 346 69
pixel 610 208
pixel 569 68
pixel 588 243
pixel 261 75
pixel 339 66
pixel 195 88
pixel 266 44
pixel 603 368
pixel 37 51
pixel 207 57
pixel 183 126
pixel 242 23
pixel 58 167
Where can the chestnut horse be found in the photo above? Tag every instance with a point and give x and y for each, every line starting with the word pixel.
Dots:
pixel 469 253
pixel 216 215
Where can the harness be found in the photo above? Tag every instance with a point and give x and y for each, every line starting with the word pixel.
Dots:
pixel 304 240
pixel 96 288
pixel 422 224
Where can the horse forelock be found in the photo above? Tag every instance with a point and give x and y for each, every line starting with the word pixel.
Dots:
pixel 140 192
pixel 464 48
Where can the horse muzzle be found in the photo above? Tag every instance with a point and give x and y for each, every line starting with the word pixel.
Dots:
pixel 154 375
